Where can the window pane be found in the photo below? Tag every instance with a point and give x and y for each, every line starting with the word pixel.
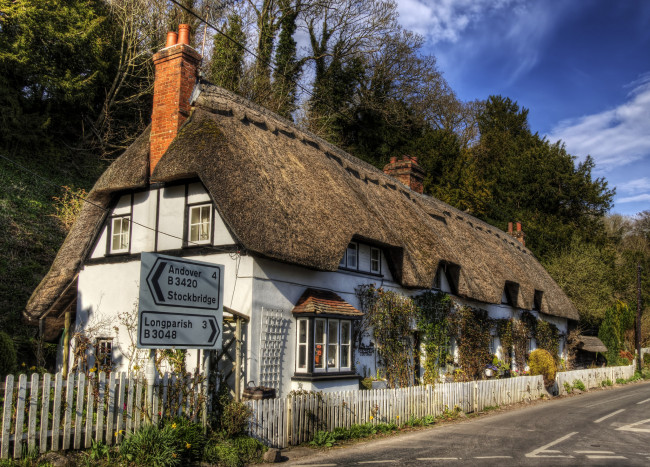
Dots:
pixel 352 256
pixel 375 257
pixel 319 344
pixel 120 234
pixel 345 332
pixel 194 233
pixel 345 356
pixel 195 216
pixel 333 341
pixel 302 356
pixel 302 333
pixel 345 344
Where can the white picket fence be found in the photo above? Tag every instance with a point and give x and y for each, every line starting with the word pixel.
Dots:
pixel 295 419
pixel 592 377
pixel 71 413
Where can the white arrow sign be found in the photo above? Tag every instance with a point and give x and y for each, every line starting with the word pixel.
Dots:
pixel 181 330
pixel 181 303
pixel 182 283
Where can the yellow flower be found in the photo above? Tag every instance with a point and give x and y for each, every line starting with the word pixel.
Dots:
pixel 173 426
pixel 371 417
pixel 23 364
pixel 32 368
pixel 121 431
pixel 188 445
pixel 396 416
pixel 174 455
pixel 92 370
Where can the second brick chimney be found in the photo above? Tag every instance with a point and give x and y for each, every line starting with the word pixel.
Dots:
pixel 176 70
pixel 408 171
pixel 519 234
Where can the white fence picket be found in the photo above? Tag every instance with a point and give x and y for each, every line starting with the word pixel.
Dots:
pixel 6 416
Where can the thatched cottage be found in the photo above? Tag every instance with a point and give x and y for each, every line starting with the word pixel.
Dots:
pixel 297 223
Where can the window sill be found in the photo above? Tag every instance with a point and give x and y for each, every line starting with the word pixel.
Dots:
pixel 325 376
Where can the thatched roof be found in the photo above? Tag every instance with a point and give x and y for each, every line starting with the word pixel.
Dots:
pixel 591 344
pixel 289 195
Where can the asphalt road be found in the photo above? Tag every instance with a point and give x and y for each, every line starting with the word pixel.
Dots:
pixel 608 427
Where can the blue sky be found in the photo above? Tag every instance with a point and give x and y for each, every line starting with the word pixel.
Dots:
pixel 581 67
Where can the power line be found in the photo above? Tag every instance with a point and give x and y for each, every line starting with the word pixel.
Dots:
pixel 86 200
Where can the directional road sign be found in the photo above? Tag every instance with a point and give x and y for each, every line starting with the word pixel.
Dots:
pixel 158 329
pixel 181 303
pixel 182 283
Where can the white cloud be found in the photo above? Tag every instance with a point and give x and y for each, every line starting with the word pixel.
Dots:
pixel 635 186
pixel 446 20
pixel 614 137
pixel 634 199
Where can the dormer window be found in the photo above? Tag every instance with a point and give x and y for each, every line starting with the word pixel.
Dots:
pixel 200 224
pixel 537 301
pixel 510 294
pixel 120 235
pixel 351 257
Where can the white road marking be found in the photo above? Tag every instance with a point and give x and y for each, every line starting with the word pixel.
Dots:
pixel 642 402
pixel 437 458
pixel 377 462
pixel 613 400
pixel 594 452
pixel 494 457
pixel 631 425
pixel 606 457
pixel 543 452
pixel 316 465
pixel 610 415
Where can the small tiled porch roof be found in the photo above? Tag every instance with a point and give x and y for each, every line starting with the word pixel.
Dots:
pixel 324 302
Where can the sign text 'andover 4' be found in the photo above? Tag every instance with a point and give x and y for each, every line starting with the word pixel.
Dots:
pixel 181 303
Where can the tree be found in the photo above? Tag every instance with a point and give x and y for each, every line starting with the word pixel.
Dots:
pixel 227 64
pixel 287 67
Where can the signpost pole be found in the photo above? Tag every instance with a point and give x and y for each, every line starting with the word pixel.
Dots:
pixel 206 387
pixel 151 376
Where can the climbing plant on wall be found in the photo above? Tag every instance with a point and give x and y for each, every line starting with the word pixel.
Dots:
pixel 520 336
pixel 547 336
pixel 504 332
pixel 433 322
pixel 471 328
pixel 390 316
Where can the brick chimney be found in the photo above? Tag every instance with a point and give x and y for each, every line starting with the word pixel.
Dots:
pixel 407 171
pixel 519 234
pixel 176 70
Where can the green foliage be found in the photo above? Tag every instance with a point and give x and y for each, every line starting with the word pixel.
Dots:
pixel 390 315
pixel 646 359
pixel 233 452
pixel 323 438
pixel 578 384
pixel 7 354
pixel 287 68
pixel 151 446
pixel 188 436
pixel 472 331
pixel 547 336
pixel 227 64
pixel 99 452
pixel 567 387
pixel 506 337
pixel 607 382
pixel 434 309
pixel 520 336
pixel 618 319
pixel 541 362
pixel 234 418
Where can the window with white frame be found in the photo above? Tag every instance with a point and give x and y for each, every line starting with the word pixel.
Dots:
pixel 332 343
pixel 120 234
pixel 200 224
pixel 351 257
pixel 303 342
pixel 375 260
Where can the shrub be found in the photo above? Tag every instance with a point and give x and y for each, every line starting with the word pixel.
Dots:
pixel 323 438
pixel 578 384
pixel 626 355
pixel 568 388
pixel 646 358
pixel 151 446
pixel 7 354
pixel 541 362
pixel 233 452
pixel 188 436
pixel 234 419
